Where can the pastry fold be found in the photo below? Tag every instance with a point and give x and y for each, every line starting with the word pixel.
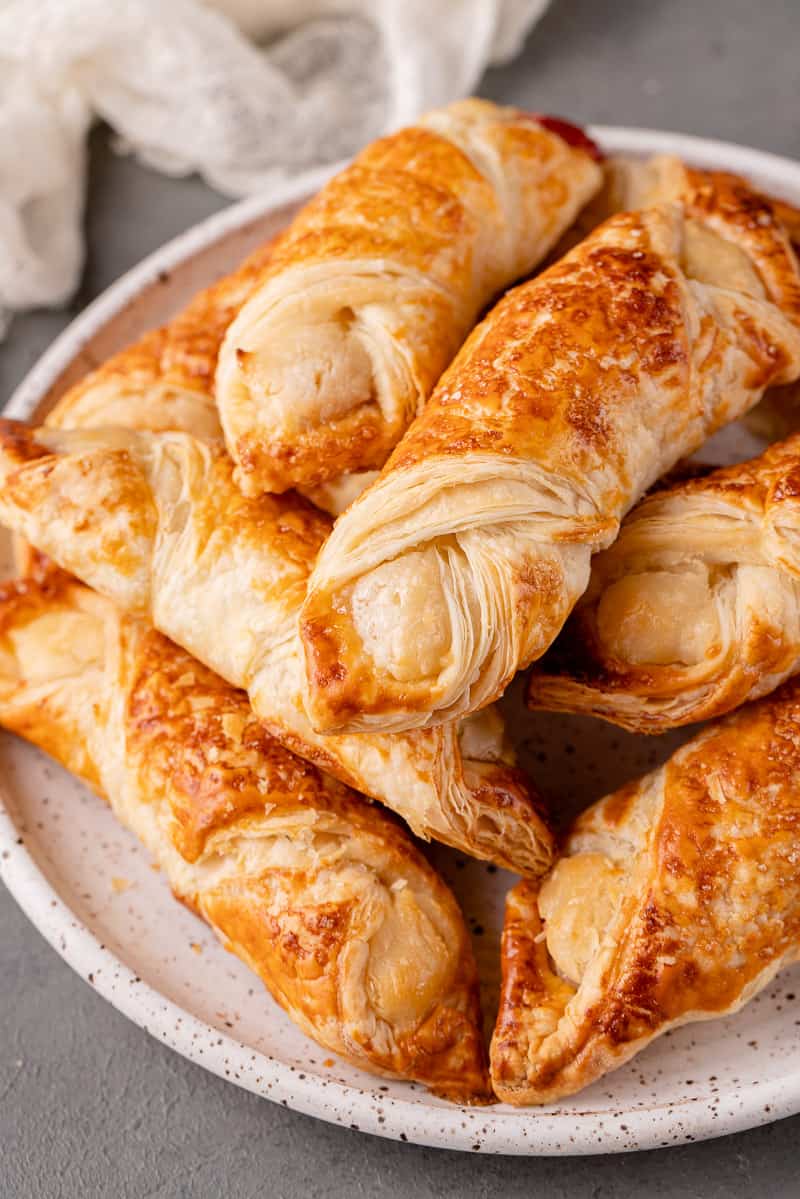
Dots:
pixel 320 892
pixel 641 183
pixel 164 382
pixel 378 280
pixel 638 183
pixel 156 523
pixel 677 899
pixel 694 609
pixel 460 564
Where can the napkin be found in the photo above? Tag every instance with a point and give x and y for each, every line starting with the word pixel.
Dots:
pixel 192 86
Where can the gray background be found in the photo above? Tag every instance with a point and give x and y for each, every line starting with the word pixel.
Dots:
pixel 89 1104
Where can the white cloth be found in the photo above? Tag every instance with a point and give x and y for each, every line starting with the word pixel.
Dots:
pixel 185 90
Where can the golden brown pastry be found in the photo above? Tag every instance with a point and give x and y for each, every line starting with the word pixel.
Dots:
pixel 316 889
pixel 640 183
pixel 379 279
pixel 694 609
pixel 460 564
pixel 165 381
pixel 637 183
pixel 156 523
pixel 677 899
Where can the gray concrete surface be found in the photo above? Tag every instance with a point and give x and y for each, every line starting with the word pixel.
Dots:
pixel 89 1104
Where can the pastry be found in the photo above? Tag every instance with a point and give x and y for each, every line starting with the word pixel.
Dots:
pixel 460 564
pixel 165 381
pixel 640 183
pixel 694 609
pixel 319 891
pixel 636 183
pixel 378 280
pixel 677 899
pixel 156 523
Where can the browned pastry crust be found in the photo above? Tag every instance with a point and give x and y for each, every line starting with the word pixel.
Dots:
pixel 630 183
pixel 635 183
pixel 165 381
pixel 677 899
pixel 321 893
pixel 694 609
pixel 377 282
pixel 576 392
pixel 156 523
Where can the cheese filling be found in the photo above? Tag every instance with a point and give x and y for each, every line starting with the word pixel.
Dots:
pixel 400 612
pixel 659 618
pixel 577 901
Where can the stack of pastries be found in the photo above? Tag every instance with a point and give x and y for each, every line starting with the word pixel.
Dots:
pixel 280 558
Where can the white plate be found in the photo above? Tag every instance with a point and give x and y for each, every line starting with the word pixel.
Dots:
pixel 90 889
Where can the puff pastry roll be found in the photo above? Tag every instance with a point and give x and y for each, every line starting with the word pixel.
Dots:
pixel 165 381
pixel 460 564
pixel 316 889
pixel 677 899
pixel 637 183
pixel 640 183
pixel 156 523
pixel 379 279
pixel 694 609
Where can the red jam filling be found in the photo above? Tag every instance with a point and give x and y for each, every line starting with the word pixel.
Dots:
pixel 573 135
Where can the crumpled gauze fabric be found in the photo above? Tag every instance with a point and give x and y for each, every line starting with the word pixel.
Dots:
pixel 188 86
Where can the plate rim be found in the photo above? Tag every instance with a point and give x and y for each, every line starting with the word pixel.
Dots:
pixel 496 1130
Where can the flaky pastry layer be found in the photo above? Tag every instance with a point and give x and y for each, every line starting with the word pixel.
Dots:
pixel 319 891
pixel 379 279
pixel 677 899
pixel 164 382
pixel 460 564
pixel 694 609
pixel 156 523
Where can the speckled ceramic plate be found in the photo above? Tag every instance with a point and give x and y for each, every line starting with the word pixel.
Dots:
pixel 91 890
